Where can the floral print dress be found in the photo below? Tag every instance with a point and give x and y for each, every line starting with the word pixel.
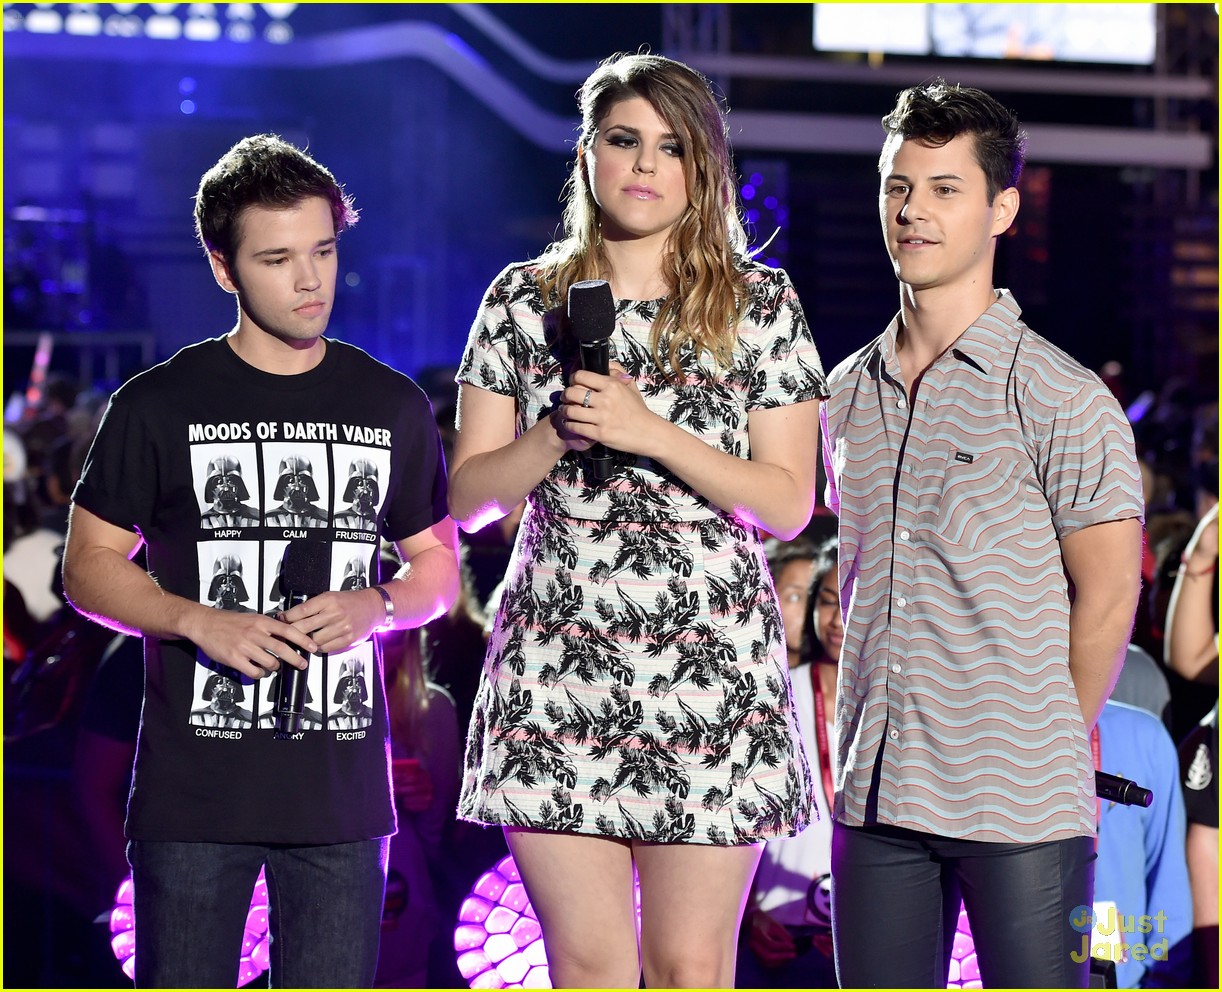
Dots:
pixel 636 683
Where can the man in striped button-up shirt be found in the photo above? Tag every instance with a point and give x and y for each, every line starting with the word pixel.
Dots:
pixel 979 473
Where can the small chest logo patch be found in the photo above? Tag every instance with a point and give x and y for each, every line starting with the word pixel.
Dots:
pixel 963 456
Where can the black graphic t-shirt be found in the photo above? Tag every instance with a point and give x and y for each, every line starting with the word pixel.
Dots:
pixel 219 467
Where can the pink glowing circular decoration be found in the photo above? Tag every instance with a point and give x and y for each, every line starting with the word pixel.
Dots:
pixel 498 940
pixel 964 972
pixel 254 941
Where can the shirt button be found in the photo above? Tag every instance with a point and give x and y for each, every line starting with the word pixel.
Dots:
pixel 895 668
pixel 904 535
pixel 900 403
pixel 901 601
pixel 893 734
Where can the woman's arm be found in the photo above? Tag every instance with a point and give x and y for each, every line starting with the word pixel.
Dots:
pixel 774 490
pixel 493 470
pixel 1191 645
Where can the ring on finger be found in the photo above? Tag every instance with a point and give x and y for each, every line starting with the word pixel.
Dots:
pixel 586 400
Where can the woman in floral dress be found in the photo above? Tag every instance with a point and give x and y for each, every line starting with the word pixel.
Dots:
pixel 635 708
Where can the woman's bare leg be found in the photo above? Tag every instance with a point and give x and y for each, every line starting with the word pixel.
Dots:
pixel 692 899
pixel 581 889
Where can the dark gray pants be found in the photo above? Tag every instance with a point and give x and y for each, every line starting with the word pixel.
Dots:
pixel 895 899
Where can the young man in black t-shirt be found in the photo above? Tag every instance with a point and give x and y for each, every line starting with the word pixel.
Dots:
pixel 216 793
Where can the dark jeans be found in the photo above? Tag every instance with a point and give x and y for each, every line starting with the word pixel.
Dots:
pixel 324 912
pixel 895 899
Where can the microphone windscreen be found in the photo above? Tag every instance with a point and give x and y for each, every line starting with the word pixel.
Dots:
pixel 305 568
pixel 591 310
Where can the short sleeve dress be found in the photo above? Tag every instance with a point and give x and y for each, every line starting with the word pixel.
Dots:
pixel 636 683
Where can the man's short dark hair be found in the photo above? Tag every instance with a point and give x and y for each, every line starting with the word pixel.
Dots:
pixel 937 112
pixel 266 171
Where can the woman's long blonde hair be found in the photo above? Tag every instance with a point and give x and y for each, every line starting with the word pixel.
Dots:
pixel 702 261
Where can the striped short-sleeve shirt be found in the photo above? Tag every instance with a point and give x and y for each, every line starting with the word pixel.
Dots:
pixel 956 714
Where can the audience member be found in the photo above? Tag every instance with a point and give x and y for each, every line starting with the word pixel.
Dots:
pixel 1199 774
pixel 1166 536
pixel 47 423
pixel 1192 622
pixel 31 550
pixel 1142 870
pixel 453 645
pixel 1169 534
pixel 792 564
pixel 1143 684
pixel 1191 652
pixel 425 768
pixel 102 762
pixel 787 924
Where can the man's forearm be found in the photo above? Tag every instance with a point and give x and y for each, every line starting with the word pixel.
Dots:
pixel 114 591
pixel 1103 562
pixel 1099 636
pixel 426 588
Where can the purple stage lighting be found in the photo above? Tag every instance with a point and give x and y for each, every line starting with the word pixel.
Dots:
pixel 498 940
pixel 964 972
pixel 254 940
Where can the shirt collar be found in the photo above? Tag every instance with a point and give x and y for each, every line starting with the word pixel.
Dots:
pixel 981 345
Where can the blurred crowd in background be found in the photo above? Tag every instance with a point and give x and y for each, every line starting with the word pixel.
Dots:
pixel 73 691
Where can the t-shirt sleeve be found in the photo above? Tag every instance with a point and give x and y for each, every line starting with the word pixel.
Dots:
pixel 1198 755
pixel 1090 463
pixel 487 360
pixel 787 369
pixel 421 499
pixel 118 480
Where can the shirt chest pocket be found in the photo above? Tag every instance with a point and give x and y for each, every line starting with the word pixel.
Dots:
pixel 984 499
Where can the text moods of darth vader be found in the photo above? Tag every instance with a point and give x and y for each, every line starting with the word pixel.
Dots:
pixel 261 485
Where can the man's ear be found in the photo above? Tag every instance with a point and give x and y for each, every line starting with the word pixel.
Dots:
pixel 221 273
pixel 1005 209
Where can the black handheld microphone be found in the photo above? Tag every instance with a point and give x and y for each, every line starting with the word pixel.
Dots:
pixel 1125 791
pixel 304 572
pixel 592 318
